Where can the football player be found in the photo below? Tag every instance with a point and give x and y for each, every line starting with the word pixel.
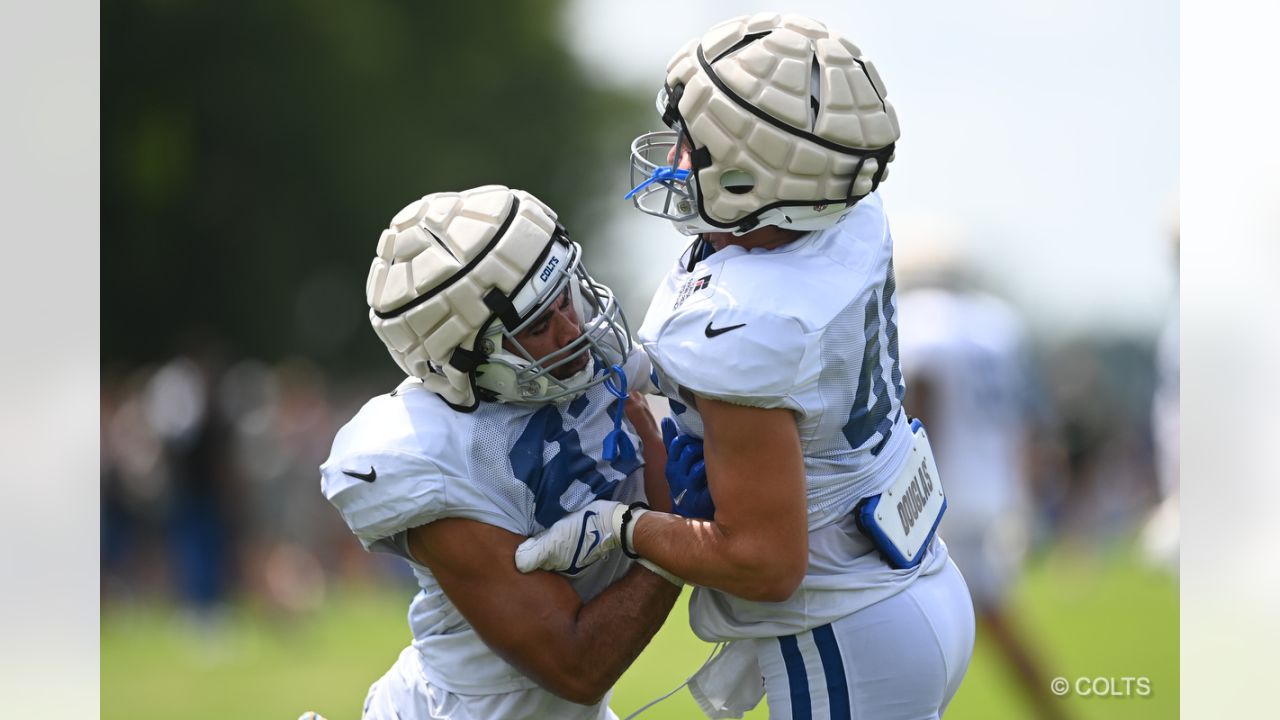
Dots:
pixel 775 336
pixel 964 357
pixel 512 417
pixel 1162 530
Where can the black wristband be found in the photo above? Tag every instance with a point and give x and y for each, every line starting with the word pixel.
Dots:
pixel 626 520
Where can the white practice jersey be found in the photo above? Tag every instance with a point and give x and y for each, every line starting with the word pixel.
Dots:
pixel 407 459
pixel 969 347
pixel 811 327
pixel 1166 423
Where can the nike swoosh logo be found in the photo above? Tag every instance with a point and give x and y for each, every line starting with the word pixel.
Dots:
pixel 367 477
pixel 586 519
pixel 712 332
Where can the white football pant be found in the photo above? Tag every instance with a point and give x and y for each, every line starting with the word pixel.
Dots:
pixel 404 694
pixel 899 659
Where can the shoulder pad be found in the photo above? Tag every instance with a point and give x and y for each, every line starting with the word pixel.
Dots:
pixel 737 354
pixel 383 493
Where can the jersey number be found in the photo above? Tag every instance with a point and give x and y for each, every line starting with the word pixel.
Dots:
pixel 550 481
pixel 866 417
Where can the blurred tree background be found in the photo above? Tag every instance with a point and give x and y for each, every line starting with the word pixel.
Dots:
pixel 251 152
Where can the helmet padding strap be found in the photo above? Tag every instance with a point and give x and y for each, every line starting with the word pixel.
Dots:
pixel 701 157
pixel 501 306
pixel 465 360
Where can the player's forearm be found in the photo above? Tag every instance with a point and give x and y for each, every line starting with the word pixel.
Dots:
pixel 653 452
pixel 608 634
pixel 655 479
pixel 754 563
pixel 757 547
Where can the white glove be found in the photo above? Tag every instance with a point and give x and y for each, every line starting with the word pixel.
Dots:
pixel 575 541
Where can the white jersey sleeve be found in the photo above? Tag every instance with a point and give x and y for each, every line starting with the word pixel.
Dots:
pixel 398 465
pixel 382 493
pixel 740 355
pixel 409 491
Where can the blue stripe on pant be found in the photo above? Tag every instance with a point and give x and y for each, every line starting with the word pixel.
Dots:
pixel 799 681
pixel 833 668
pixel 837 685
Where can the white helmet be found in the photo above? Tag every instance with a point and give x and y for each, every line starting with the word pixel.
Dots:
pixel 786 123
pixel 459 273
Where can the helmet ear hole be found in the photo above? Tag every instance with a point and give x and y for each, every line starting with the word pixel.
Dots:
pixel 738 182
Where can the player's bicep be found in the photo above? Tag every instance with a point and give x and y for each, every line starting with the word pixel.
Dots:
pixel 755 471
pixel 521 617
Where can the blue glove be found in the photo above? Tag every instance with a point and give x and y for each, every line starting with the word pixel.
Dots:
pixel 686 474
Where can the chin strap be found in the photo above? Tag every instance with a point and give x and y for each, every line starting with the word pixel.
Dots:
pixel 617 446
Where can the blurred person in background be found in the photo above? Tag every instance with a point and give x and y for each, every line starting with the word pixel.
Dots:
pixel 775 337
pixel 169 509
pixel 281 424
pixel 965 360
pixel 202 522
pixel 512 416
pixel 136 492
pixel 1099 389
pixel 199 520
pixel 130 494
pixel 1161 535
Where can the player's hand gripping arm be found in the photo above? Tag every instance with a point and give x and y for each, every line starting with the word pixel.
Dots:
pixel 536 622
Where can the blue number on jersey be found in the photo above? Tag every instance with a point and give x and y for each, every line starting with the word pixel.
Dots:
pixel 550 481
pixel 867 419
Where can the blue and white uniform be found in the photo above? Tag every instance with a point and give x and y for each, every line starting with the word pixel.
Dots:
pixel 811 326
pixel 407 459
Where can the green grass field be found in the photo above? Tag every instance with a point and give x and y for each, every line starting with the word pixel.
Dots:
pixel 1101 615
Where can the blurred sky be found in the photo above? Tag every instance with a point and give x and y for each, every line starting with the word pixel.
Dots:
pixel 1042 136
